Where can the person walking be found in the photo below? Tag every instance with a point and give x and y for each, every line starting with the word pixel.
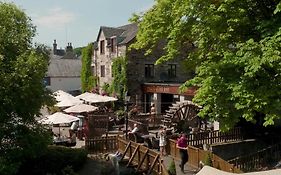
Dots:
pixel 162 141
pixel 182 146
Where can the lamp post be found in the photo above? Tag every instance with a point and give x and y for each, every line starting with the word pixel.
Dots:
pixel 127 100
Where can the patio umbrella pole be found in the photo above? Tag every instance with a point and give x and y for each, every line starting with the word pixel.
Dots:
pixel 59 130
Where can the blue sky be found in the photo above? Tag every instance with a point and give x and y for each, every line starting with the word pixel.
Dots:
pixel 77 21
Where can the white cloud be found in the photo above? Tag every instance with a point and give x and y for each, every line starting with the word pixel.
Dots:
pixel 56 18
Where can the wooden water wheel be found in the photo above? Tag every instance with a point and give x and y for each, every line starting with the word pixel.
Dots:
pixel 183 113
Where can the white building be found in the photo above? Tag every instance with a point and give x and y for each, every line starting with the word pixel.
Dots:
pixel 64 70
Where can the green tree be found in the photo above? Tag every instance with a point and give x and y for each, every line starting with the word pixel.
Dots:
pixel 87 79
pixel 78 51
pixel 22 92
pixel 234 46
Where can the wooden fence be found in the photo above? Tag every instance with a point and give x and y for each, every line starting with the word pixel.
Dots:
pixel 196 156
pixel 144 159
pixel 210 137
pixel 255 161
pixel 101 144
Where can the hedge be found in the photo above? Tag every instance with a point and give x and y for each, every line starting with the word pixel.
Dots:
pixel 54 160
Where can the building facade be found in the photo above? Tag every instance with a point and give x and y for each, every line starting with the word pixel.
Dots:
pixel 147 83
pixel 64 70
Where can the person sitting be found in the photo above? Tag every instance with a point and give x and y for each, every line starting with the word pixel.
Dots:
pixel 137 135
pixel 72 140
pixel 55 137
pixel 135 129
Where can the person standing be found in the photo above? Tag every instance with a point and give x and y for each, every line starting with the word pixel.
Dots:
pixel 152 109
pixel 182 146
pixel 162 141
pixel 152 114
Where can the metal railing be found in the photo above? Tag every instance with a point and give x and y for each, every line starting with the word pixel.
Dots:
pixel 210 137
pixel 255 161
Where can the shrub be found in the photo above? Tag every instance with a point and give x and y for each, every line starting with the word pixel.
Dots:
pixel 172 168
pixel 208 160
pixel 54 160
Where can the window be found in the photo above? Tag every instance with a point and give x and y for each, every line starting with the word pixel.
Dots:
pixel 113 45
pixel 102 71
pixel 102 47
pixel 172 70
pixel 47 81
pixel 149 70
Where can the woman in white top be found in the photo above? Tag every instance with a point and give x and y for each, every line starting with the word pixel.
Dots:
pixel 162 141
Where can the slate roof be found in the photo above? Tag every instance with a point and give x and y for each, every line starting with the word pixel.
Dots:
pixel 110 31
pixel 124 33
pixel 64 67
pixel 130 32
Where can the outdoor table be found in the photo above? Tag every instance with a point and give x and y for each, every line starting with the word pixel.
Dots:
pixel 60 141
pixel 154 132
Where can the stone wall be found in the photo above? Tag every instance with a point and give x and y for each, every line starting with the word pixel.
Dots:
pixel 136 71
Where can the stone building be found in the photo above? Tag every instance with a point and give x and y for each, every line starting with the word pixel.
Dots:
pixel 147 83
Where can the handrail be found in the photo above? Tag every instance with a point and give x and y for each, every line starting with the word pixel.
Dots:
pixel 210 137
pixel 145 159
pixel 197 156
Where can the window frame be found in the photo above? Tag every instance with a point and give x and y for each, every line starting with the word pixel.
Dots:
pixel 102 71
pixel 172 70
pixel 149 70
pixel 113 45
pixel 47 81
pixel 102 47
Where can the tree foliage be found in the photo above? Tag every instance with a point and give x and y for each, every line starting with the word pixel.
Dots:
pixel 235 47
pixel 87 79
pixel 22 91
pixel 78 51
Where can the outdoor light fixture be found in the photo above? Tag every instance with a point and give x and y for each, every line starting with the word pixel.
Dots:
pixel 127 101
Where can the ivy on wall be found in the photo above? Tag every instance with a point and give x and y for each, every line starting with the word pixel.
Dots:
pixel 88 81
pixel 119 83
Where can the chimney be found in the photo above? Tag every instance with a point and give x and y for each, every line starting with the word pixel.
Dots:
pixel 69 47
pixel 55 47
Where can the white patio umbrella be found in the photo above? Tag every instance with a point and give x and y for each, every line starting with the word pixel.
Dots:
pixel 81 108
pixel 60 95
pixel 65 99
pixel 69 102
pixel 59 118
pixel 95 98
